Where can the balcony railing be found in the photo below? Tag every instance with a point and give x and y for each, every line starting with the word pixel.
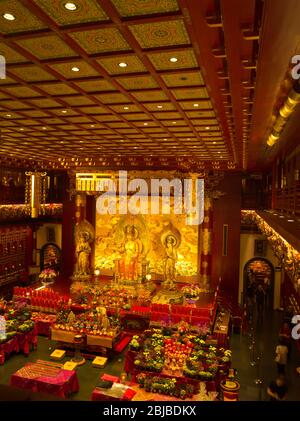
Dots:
pixel 21 212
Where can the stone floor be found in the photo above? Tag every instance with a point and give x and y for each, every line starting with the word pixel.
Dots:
pixel 266 340
pixel 266 334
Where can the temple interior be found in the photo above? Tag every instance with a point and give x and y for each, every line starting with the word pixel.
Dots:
pixel 149 200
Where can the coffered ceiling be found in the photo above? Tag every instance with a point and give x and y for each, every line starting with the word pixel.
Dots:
pixel 130 83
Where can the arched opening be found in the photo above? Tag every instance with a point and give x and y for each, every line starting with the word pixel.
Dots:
pixel 50 257
pixel 262 272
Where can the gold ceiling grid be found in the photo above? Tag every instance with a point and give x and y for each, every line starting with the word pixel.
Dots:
pixel 67 95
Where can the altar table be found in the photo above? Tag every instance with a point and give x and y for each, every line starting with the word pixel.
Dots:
pixel 43 323
pixel 222 330
pixel 62 383
pixel 93 342
pixel 21 342
pixel 118 392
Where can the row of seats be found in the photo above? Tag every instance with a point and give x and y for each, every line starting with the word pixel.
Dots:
pixel 182 310
pixel 177 318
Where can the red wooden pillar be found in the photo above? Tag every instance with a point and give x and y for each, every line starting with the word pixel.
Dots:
pixel 80 207
pixel 206 243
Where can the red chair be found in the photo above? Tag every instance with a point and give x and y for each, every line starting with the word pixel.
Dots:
pixel 200 321
pixel 177 318
pixel 201 312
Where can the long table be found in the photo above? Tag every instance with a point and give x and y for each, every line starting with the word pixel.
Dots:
pixel 101 343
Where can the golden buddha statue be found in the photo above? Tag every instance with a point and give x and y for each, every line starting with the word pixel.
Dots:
pixel 128 266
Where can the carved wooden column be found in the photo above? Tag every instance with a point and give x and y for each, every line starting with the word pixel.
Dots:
pixel 206 243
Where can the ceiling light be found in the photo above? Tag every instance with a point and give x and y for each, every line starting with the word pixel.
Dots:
pixel 196 105
pixel 126 108
pixel 281 216
pixel 291 220
pixel 174 122
pixel 122 64
pixel 44 128
pixel 70 6
pixel 159 106
pixel 75 69
pixel 207 128
pixel 92 125
pixel 219 152
pixel 21 128
pixel 64 111
pixel 214 143
pixel 80 141
pixel 8 115
pixel 173 59
pixel 145 124
pixel 9 16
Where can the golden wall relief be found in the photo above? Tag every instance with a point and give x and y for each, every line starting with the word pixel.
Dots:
pixel 141 239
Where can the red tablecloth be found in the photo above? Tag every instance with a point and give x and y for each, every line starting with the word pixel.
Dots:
pixel 43 325
pixel 19 343
pixel 62 385
pixel 104 395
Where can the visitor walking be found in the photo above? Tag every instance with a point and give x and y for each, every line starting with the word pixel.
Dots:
pixel 260 300
pixel 286 337
pixel 281 356
pixel 278 389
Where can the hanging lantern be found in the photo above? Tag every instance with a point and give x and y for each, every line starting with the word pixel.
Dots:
pixel 35 192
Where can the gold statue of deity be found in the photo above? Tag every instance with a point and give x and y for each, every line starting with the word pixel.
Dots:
pixel 128 267
pixel 84 236
pixel 170 243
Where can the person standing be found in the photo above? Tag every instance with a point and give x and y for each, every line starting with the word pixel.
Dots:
pixel 281 356
pixel 277 389
pixel 260 300
pixel 285 336
pixel 250 295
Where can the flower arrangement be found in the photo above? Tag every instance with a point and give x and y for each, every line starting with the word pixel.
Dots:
pixel 183 327
pixel 191 291
pixel 166 386
pixel 134 343
pixel 48 275
pixel 175 354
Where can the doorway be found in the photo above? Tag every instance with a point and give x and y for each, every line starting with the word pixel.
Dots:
pixel 50 257
pixel 262 271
